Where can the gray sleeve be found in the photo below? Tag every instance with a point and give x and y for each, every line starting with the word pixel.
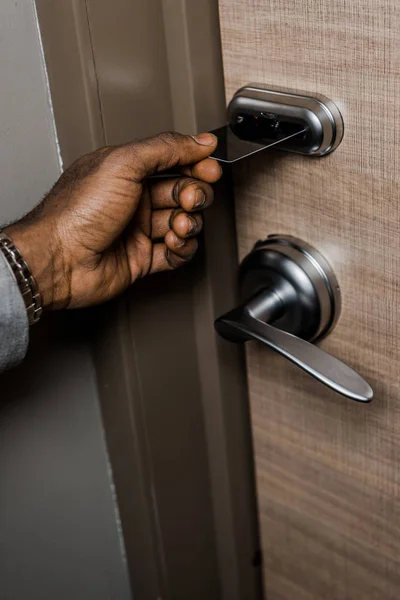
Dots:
pixel 14 328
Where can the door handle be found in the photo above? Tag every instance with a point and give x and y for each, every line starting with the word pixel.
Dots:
pixel 295 300
pixel 241 325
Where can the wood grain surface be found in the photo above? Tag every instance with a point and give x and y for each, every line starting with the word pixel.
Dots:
pixel 327 468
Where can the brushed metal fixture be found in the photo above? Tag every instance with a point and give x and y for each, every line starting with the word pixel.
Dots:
pixel 288 109
pixel 292 299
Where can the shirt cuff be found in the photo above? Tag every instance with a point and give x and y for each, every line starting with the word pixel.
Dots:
pixel 14 327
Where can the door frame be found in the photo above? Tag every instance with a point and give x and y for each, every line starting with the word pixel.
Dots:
pixel 123 345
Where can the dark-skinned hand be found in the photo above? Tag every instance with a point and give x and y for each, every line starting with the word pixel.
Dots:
pixel 105 223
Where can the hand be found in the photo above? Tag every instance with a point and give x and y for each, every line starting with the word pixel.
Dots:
pixel 105 224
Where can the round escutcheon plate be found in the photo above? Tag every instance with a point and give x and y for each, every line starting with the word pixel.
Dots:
pixel 301 277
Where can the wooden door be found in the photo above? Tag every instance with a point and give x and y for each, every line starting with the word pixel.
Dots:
pixel 327 468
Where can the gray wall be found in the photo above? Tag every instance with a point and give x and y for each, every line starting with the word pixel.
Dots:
pixel 59 533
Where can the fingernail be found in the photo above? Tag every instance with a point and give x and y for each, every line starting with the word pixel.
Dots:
pixel 177 241
pixel 205 139
pixel 193 224
pixel 199 199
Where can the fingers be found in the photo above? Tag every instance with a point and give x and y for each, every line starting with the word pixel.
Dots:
pixel 191 194
pixel 163 152
pixel 183 224
pixel 186 226
pixel 172 254
pixel 208 170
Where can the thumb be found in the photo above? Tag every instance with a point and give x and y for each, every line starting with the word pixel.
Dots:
pixel 166 151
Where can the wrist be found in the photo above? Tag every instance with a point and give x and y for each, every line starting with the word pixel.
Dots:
pixel 39 249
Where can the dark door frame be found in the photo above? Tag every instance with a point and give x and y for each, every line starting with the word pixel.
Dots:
pixel 182 460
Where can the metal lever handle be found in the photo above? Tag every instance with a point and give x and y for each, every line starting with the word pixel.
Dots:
pixel 293 298
pixel 240 325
